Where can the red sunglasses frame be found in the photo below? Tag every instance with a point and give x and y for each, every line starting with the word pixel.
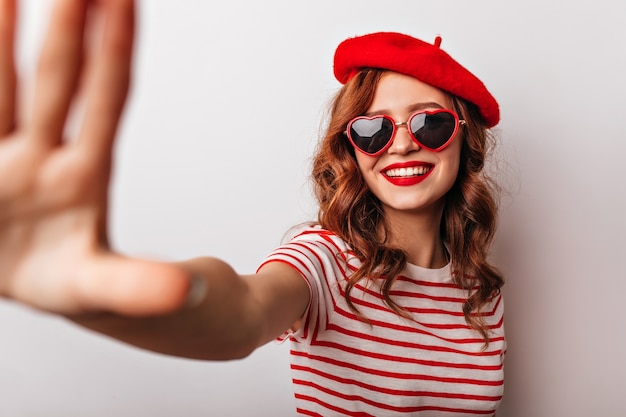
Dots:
pixel 457 122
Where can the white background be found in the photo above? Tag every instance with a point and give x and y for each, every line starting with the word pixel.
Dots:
pixel 213 159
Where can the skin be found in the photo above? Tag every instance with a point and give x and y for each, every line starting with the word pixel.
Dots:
pixel 413 211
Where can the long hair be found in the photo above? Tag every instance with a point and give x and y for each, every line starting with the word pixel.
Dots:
pixel 348 208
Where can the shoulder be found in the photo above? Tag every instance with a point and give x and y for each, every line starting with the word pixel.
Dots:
pixel 319 240
pixel 315 251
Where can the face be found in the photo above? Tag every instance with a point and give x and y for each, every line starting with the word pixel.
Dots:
pixel 406 177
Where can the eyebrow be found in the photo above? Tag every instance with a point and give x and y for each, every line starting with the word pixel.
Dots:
pixel 411 109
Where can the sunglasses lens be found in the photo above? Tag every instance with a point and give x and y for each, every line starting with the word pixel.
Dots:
pixel 371 135
pixel 433 130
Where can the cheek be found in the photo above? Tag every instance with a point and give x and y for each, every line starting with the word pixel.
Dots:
pixel 454 163
pixel 365 163
pixel 451 160
pixel 455 149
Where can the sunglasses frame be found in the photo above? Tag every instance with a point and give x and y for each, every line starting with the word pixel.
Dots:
pixel 457 122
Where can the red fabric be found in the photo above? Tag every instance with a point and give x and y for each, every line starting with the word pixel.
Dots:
pixel 424 61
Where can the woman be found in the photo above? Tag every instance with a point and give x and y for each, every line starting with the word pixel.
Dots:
pixel 389 301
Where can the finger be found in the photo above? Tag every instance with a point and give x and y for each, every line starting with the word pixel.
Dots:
pixel 58 70
pixel 109 80
pixel 132 287
pixel 7 66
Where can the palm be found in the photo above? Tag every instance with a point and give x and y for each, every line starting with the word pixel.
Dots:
pixel 47 220
pixel 53 194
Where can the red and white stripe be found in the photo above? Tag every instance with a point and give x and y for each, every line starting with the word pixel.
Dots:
pixel 431 365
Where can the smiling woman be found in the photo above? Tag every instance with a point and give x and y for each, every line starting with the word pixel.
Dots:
pixel 400 285
pixel 388 301
pixel 399 95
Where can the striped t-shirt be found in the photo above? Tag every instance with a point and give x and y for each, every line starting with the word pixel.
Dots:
pixel 432 365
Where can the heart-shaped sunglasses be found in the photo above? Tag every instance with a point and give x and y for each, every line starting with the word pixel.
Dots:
pixel 430 129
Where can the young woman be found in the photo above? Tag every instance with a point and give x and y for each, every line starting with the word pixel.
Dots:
pixel 388 300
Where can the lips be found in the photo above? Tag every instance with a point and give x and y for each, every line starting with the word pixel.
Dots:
pixel 407 173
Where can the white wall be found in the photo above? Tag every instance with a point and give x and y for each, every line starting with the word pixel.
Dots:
pixel 193 178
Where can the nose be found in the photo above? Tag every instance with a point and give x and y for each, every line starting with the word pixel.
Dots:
pixel 402 143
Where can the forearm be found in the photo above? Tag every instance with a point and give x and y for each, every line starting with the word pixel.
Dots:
pixel 223 325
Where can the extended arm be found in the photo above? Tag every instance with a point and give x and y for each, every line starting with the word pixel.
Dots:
pixel 235 315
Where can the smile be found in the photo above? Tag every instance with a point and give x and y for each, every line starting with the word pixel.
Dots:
pixel 407 174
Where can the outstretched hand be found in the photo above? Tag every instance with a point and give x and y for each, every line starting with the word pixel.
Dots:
pixel 53 190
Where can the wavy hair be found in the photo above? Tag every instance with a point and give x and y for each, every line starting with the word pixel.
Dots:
pixel 349 209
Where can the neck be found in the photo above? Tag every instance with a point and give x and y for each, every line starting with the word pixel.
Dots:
pixel 419 235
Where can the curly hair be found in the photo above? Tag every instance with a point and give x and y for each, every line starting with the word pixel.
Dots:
pixel 348 208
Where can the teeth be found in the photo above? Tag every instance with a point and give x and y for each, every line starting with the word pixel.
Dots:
pixel 407 172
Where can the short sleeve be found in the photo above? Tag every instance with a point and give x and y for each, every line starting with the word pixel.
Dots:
pixel 324 261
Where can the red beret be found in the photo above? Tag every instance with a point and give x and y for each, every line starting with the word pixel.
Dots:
pixel 424 61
